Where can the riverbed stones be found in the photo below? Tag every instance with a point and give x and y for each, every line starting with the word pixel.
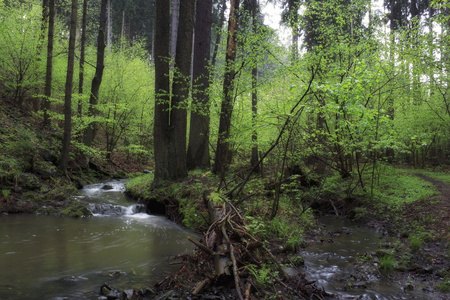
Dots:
pixel 107 187
pixel 127 294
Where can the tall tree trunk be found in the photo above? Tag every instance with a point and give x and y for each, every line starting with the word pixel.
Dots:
pixel 223 155
pixel 198 150
pixel 109 25
pixel 161 128
pixel 174 29
pixel 89 135
pixel 68 90
pixel 255 157
pixel 394 21
pixel 219 30
pixel 49 70
pixel 44 24
pixel 181 86
pixel 293 6
pixel 153 42
pixel 82 57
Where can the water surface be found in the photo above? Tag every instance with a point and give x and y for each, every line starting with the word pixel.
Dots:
pixel 46 257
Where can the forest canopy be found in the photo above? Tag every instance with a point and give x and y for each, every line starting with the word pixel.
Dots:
pixel 360 83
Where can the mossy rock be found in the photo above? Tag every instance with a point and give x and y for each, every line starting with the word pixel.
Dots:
pixel 63 192
pixel 29 182
pixel 76 210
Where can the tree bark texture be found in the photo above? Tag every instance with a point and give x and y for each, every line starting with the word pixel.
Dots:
pixel 49 69
pixel 255 157
pixel 89 134
pixel 223 155
pixel 82 57
pixel 181 86
pixel 294 23
pixel 170 114
pixel 198 149
pixel 218 31
pixel 68 90
pixel 162 101
pixel 174 29
pixel 109 24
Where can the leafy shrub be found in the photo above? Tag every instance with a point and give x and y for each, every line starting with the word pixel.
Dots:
pixel 387 264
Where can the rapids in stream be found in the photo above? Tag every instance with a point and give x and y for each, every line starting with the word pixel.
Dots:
pixel 48 257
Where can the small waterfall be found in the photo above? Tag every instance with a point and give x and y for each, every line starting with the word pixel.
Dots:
pixel 108 199
pixel 104 209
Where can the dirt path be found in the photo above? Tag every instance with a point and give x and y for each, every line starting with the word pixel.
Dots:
pixel 436 210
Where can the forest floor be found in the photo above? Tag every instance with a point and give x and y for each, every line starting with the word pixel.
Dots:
pixel 440 208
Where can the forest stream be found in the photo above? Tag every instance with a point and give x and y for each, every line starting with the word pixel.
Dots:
pixel 340 262
pixel 48 257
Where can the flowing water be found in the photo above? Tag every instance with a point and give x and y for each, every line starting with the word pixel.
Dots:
pixel 47 257
pixel 332 263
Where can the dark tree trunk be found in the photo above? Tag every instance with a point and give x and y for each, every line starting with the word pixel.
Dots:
pixel 89 135
pixel 219 27
pixel 49 70
pixel 82 57
pixel 108 28
pixel 181 87
pixel 223 151
pixel 255 157
pixel 170 114
pixel 294 24
pixel 68 90
pixel 44 24
pixel 162 57
pixel 198 150
pixel 174 29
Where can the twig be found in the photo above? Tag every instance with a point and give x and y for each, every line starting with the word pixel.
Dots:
pixel 248 287
pixel 233 260
pixel 201 246
pixel 200 286
pixel 280 268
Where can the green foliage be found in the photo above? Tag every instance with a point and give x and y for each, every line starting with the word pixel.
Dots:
pixel 255 226
pixel 387 264
pixel 442 176
pixel 126 100
pixel 444 286
pixel 139 186
pixel 264 275
pixel 416 242
pixel 6 194
pixel 396 187
pixel 193 216
pixel 9 168
pixel 20 51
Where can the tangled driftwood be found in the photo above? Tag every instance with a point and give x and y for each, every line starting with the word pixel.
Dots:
pixel 232 249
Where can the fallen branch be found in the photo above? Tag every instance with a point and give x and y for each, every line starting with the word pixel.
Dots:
pixel 199 287
pixel 200 245
pixel 233 260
